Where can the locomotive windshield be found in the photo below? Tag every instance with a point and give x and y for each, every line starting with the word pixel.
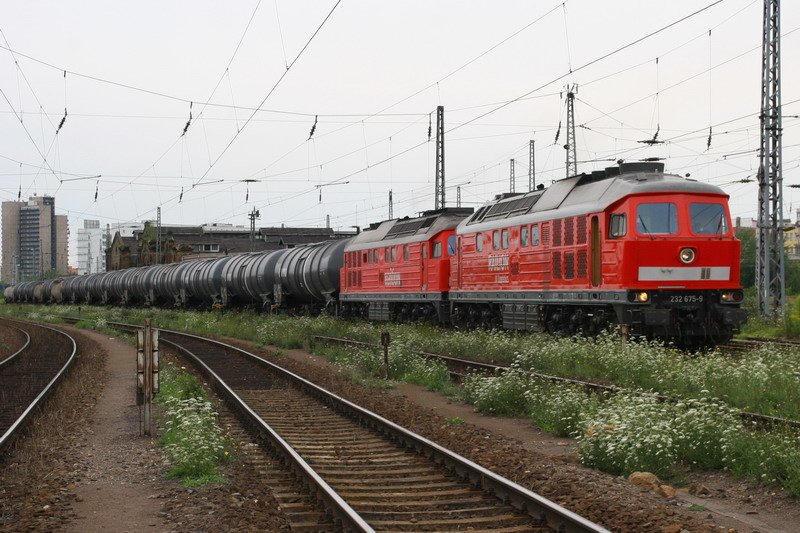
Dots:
pixel 657 219
pixel 708 219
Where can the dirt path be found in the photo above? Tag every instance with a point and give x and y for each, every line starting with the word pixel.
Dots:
pixel 118 489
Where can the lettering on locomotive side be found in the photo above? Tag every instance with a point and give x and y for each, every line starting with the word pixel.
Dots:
pixel 392 279
pixel 498 262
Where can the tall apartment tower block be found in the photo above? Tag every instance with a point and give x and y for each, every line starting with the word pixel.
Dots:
pixel 35 239
pixel 92 244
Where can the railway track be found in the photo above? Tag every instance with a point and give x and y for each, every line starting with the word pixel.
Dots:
pixel 30 374
pixel 368 473
pixel 459 368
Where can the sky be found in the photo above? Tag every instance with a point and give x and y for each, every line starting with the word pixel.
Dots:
pixel 366 77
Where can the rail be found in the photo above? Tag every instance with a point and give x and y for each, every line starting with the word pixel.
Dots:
pixel 519 497
pixel 24 345
pixel 15 426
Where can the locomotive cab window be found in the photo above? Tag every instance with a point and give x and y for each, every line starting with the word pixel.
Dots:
pixel 535 235
pixel 496 240
pixel 394 254
pixel 657 219
pixel 618 226
pixel 523 236
pixel 452 245
pixel 437 250
pixel 505 239
pixel 405 252
pixel 479 242
pixel 708 219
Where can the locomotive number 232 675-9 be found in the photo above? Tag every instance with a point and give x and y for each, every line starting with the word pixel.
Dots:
pixel 686 298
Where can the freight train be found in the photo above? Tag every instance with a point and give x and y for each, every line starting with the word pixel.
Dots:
pixel 630 245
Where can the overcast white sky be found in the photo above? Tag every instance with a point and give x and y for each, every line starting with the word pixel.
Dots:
pixel 366 58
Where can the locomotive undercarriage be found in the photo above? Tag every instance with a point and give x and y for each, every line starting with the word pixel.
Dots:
pixel 689 320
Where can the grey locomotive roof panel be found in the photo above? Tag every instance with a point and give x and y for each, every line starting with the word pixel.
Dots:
pixel 573 198
pixel 402 231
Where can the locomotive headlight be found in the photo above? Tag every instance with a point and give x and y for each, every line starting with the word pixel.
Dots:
pixel 687 255
pixel 732 296
pixel 642 296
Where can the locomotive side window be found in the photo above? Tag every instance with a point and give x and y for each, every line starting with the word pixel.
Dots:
pixel 708 219
pixel 618 226
pixel 437 250
pixel 523 236
pixel 452 245
pixel 496 240
pixel 535 235
pixel 505 239
pixel 405 252
pixel 394 254
pixel 657 219
pixel 479 242
pixel 424 251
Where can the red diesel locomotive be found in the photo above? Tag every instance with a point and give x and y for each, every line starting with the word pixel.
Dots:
pixel 628 245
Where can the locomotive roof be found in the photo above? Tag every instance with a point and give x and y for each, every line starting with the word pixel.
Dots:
pixel 583 194
pixel 407 230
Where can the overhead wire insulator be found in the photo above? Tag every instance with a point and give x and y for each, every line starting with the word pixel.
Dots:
pixel 96 190
pixel 708 143
pixel 63 119
pixel 313 127
pixel 558 133
pixel 188 122
pixel 180 198
pixel 430 126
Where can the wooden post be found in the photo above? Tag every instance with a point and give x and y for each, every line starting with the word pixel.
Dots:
pixel 624 333
pixel 147 366
pixel 385 341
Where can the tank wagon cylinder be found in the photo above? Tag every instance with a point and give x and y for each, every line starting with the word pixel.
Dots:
pixel 233 280
pixel 310 274
pixel 161 290
pixel 142 288
pixel 8 294
pixel 259 275
pixel 175 282
pixel 95 285
pixel 38 293
pixel 107 284
pixel 50 286
pixel 156 280
pixel 207 286
pixel 67 287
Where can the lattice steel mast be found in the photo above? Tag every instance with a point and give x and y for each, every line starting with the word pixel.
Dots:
pixel 572 159
pixel 440 202
pixel 531 167
pixel 770 274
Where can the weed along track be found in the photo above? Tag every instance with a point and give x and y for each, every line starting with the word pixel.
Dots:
pixel 460 368
pixel 28 375
pixel 366 472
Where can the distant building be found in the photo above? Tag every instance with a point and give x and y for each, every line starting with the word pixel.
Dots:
pixel 35 240
pixel 92 243
pixel 180 243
